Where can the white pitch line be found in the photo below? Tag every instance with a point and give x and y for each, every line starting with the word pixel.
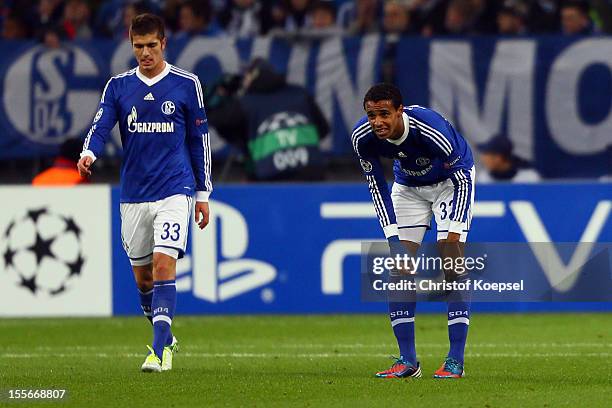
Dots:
pixel 296 355
pixel 436 345
pixel 473 346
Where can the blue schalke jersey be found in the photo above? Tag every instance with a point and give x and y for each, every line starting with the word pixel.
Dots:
pixel 430 151
pixel 164 133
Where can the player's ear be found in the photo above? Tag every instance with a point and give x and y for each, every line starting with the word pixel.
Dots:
pixel 400 109
pixel 163 43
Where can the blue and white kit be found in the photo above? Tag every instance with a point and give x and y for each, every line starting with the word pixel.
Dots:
pixel 434 175
pixel 166 162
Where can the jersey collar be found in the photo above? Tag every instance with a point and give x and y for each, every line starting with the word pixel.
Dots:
pixel 406 131
pixel 155 79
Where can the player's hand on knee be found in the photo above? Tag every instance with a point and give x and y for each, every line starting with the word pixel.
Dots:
pixel 398 249
pixel 84 165
pixel 202 214
pixel 453 237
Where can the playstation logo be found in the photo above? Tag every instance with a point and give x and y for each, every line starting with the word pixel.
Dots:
pixel 219 271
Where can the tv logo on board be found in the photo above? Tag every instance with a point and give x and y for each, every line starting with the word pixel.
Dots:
pixel 559 272
pixel 37 99
pixel 219 271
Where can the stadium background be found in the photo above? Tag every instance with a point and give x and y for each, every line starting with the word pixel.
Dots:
pixel 551 96
pixel 293 247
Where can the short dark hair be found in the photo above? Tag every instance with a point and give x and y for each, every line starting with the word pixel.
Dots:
pixel 384 92
pixel 147 23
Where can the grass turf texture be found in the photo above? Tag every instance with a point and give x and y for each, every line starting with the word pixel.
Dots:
pixel 512 360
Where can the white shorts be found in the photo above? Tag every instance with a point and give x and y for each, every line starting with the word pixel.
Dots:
pixel 156 226
pixel 414 207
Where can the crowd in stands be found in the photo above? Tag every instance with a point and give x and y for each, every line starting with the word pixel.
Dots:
pixel 53 20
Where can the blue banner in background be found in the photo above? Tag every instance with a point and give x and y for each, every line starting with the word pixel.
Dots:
pixel 296 248
pixel 549 95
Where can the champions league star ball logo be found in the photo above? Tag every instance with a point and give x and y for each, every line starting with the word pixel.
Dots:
pixel 43 251
pixel 282 120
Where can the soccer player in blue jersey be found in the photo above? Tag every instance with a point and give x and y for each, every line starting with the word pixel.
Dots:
pixel 166 165
pixel 434 175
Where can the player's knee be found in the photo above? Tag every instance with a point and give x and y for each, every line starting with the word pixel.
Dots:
pixel 161 269
pixel 164 267
pixel 144 277
pixel 144 282
pixel 145 285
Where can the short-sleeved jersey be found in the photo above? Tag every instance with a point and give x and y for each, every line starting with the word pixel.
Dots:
pixel 164 133
pixel 430 151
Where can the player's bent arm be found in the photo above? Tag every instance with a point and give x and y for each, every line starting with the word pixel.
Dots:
pixel 442 142
pixel 381 197
pixel 103 122
pixel 375 176
pixel 462 199
pixel 198 143
pixel 199 150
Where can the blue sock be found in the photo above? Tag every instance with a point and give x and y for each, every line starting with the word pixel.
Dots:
pixel 146 298
pixel 458 323
pixel 402 322
pixel 145 303
pixel 163 305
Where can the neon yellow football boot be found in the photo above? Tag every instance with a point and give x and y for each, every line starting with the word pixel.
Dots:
pixel 168 354
pixel 152 364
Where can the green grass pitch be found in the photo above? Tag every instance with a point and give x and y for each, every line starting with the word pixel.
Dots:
pixel 532 360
